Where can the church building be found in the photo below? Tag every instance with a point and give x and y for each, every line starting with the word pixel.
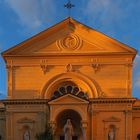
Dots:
pixel 70 73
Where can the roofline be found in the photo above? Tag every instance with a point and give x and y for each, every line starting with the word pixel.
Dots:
pixel 51 28
pixel 36 35
pixel 104 34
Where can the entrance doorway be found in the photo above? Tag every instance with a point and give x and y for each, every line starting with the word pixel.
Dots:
pixel 73 138
pixel 75 119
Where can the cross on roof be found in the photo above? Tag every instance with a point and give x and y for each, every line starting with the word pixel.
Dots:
pixel 69 5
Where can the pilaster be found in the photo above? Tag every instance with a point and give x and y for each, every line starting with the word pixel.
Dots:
pixel 84 129
pixel 128 124
pixel 9 68
pixel 9 126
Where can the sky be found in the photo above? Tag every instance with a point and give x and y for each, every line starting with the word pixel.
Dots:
pixel 21 19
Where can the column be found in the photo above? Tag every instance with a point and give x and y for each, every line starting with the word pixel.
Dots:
pixel 84 129
pixel 53 126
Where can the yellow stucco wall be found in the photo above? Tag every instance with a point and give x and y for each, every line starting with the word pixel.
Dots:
pixel 70 53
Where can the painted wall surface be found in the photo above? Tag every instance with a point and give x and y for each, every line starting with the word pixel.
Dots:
pixel 70 54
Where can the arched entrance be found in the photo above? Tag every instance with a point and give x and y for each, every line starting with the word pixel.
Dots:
pixel 69 106
pixel 76 123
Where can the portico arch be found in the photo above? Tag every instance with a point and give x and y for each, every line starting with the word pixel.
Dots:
pixel 76 120
pixel 89 86
pixel 77 109
pixel 71 114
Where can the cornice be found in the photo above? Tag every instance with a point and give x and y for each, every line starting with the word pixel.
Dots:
pixel 24 101
pixel 93 100
pixel 2 109
pixel 136 107
pixel 113 100
pixel 69 54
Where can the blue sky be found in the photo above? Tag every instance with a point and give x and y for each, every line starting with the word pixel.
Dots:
pixel 21 19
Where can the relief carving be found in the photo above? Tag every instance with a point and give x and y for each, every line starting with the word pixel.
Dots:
pixel 44 66
pixel 70 42
pixel 96 67
pixel 69 68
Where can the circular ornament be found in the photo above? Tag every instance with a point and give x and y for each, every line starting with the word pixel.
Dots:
pixel 70 42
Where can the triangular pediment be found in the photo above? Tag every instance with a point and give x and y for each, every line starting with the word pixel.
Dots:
pixel 68 37
pixel 112 119
pixel 25 120
pixel 68 99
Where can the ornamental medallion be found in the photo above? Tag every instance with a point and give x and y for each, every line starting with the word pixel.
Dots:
pixel 70 42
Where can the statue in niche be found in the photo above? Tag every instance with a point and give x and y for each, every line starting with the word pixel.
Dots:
pixel 26 135
pixel 68 130
pixel 112 133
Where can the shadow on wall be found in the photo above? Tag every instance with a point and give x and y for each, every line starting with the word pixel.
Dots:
pixel 138 136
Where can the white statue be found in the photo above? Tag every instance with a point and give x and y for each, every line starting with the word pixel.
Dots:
pixel 68 130
pixel 26 135
pixel 111 134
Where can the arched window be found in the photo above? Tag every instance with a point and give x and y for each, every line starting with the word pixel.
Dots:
pixel 69 89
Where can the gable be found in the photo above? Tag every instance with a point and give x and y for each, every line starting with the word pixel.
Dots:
pixel 68 37
pixel 68 99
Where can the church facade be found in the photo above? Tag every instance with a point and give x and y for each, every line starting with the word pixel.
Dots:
pixel 70 72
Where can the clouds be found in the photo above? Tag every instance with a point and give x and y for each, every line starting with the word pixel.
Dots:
pixel 34 13
pixel 104 10
pixel 31 13
pixel 114 13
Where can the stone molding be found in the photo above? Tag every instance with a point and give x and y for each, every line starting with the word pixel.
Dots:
pixel 112 100
pixel 93 100
pixel 26 120
pixel 25 101
pixel 79 79
pixel 112 119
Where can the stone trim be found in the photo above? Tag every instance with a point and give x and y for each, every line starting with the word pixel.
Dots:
pixel 25 101
pixel 93 100
pixel 113 100
pixel 136 107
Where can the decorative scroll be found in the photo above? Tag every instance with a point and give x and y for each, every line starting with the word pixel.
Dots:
pixel 69 68
pixel 96 67
pixel 70 42
pixel 44 68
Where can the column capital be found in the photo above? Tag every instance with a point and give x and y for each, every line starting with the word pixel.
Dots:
pixel 84 124
pixel 127 112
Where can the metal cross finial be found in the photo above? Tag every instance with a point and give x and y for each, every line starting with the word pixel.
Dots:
pixel 69 5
